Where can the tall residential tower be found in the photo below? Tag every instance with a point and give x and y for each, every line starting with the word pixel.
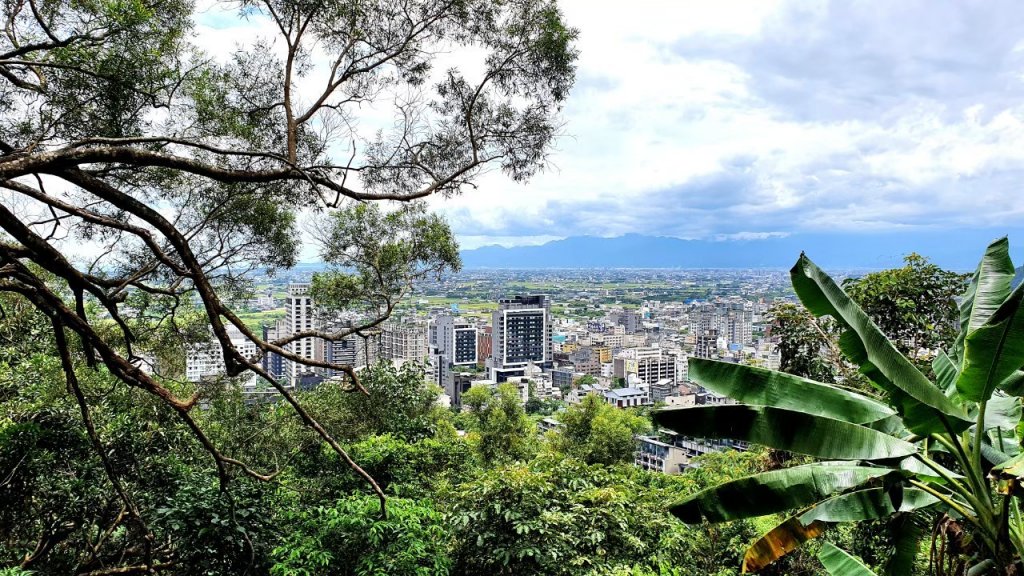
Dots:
pixel 521 335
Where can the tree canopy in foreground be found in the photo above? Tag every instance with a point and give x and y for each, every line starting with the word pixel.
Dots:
pixel 180 172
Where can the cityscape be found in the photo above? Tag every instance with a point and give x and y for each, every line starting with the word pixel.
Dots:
pixel 624 336
pixel 511 287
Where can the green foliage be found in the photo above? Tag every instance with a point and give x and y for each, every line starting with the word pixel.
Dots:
pixel 915 306
pixel 351 539
pixel 538 407
pixel 959 431
pixel 804 342
pixel 398 402
pixel 500 429
pixel 376 256
pixel 598 433
pixel 411 469
pixel 217 532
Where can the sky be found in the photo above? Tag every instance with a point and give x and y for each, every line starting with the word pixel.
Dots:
pixel 732 119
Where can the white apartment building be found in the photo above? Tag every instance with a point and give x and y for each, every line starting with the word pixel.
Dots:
pixel 299 317
pixel 206 360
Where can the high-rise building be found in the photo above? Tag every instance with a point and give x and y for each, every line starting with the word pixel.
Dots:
pixel 653 370
pixel 274 363
pixel 456 346
pixel 521 335
pixel 706 344
pixel 484 343
pixel 299 317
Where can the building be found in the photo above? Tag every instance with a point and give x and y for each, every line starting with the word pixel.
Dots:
pixel 206 360
pixel 671 453
pixel 273 363
pixel 586 360
pixel 521 335
pixel 484 343
pixel 563 378
pixel 455 349
pixel 662 389
pixel 406 342
pixel 630 321
pixel 627 397
pixel 299 317
pixel 706 344
pixel 657 456
pixel 661 370
pixel 583 390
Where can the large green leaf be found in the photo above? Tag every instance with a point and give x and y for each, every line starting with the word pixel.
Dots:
pixel 946 372
pixel 1013 384
pixel 1001 421
pixel 922 405
pixel 789 430
pixel 839 563
pixel 907 531
pixel 1002 412
pixel 986 292
pixel 775 491
pixel 760 387
pixel 867 504
pixel 920 469
pixel 994 351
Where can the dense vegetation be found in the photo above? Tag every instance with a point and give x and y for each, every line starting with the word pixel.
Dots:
pixel 940 453
pixel 143 178
pixel 499 499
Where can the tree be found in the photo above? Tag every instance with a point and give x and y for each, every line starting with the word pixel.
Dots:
pixel 598 433
pixel 915 306
pixel 586 379
pixel 186 173
pixel 351 539
pixel 555 516
pixel 948 446
pixel 398 402
pixel 501 429
pixel 806 344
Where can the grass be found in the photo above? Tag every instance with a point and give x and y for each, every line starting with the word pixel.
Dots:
pixel 256 320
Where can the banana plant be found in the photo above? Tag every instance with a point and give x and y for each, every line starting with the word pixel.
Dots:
pixel 947 444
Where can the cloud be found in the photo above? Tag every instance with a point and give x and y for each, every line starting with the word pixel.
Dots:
pixel 715 119
pixel 696 119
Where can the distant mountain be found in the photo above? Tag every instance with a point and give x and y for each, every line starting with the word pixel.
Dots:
pixel 953 249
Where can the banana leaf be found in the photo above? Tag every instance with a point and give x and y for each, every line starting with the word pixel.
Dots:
pixel 789 430
pixel 780 541
pixel 946 372
pixel 760 387
pixel 867 504
pixel 907 531
pixel 989 287
pixel 839 563
pixel 993 351
pixel 776 491
pixel 924 408
pixel 854 506
pixel 1013 384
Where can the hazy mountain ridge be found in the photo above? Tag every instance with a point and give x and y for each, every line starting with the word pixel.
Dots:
pixel 958 249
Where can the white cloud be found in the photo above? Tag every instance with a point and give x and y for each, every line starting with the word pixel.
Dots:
pixel 717 119
pixel 837 117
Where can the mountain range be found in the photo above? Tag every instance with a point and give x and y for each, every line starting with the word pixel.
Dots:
pixel 951 249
